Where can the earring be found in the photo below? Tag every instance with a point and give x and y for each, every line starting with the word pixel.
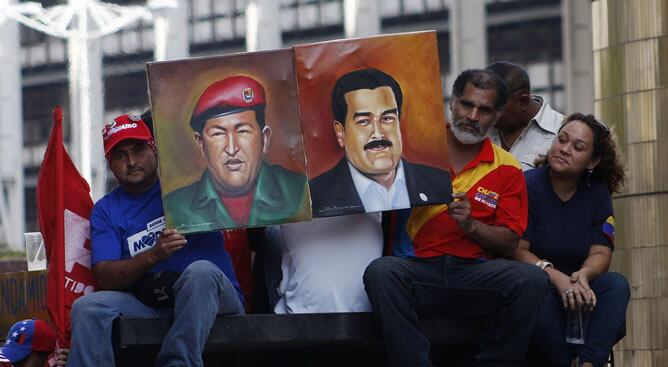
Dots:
pixel 589 172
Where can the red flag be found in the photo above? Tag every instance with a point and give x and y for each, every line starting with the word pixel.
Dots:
pixel 64 205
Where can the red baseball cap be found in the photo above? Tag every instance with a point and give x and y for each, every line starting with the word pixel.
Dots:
pixel 227 96
pixel 25 337
pixel 125 127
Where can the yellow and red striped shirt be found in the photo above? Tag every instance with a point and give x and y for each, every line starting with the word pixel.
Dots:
pixel 494 184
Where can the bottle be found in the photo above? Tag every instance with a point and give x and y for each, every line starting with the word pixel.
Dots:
pixel 575 325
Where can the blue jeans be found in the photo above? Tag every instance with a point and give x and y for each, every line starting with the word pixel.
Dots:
pixel 606 323
pixel 402 289
pixel 201 292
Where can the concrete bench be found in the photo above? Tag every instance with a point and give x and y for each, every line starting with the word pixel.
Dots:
pixel 294 340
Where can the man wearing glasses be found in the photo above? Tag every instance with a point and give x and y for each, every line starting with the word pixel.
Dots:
pixel 528 124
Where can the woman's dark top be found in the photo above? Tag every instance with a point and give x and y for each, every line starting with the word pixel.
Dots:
pixel 563 231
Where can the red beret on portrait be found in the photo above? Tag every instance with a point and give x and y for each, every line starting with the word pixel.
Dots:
pixel 230 95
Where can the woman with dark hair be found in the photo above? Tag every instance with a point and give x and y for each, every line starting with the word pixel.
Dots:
pixel 571 236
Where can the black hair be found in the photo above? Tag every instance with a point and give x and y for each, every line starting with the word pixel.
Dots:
pixel 610 169
pixel 147 117
pixel 481 79
pixel 514 75
pixel 361 79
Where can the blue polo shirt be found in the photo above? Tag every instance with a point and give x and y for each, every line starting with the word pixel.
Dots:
pixel 123 225
pixel 563 231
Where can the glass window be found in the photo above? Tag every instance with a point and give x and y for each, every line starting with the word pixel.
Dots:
pixel 224 29
pixel 240 26
pixel 129 41
pixel 241 5
pixel 538 74
pixel 330 13
pixel 390 8
pixel 202 32
pixel 435 5
pixel 225 7
pixel 308 16
pixel 111 44
pixel 57 49
pixel 148 39
pixel 413 6
pixel 289 19
pixel 38 54
pixel 201 8
pixel 30 197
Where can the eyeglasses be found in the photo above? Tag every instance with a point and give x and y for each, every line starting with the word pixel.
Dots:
pixel 603 126
pixel 521 87
pixel 516 89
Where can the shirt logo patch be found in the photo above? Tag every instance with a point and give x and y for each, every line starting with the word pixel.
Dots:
pixel 609 228
pixel 487 197
pixel 145 240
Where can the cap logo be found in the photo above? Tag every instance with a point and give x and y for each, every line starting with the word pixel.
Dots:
pixel 108 126
pixel 248 95
pixel 112 129
pixel 133 117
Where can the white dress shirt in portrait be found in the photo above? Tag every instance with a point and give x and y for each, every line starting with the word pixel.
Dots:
pixel 375 197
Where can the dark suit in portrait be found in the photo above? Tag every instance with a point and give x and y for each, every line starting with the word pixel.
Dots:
pixel 334 193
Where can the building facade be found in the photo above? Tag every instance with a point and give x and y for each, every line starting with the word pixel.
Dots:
pixel 631 94
pixel 524 31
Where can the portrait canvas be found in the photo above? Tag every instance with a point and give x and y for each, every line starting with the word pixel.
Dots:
pixel 229 141
pixel 373 123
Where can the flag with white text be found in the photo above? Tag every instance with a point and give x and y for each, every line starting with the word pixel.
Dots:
pixel 64 205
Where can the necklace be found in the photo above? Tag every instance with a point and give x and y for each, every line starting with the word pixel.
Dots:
pixel 504 144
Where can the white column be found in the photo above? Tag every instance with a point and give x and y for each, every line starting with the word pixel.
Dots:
pixel 468 37
pixel 361 18
pixel 12 214
pixel 263 25
pixel 577 46
pixel 86 105
pixel 170 21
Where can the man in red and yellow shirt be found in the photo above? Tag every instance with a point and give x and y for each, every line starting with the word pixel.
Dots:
pixel 448 256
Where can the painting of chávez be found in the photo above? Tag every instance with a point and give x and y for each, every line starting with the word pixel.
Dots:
pixel 238 188
pixel 373 176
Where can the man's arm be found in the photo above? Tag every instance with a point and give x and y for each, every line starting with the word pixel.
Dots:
pixel 499 240
pixel 119 274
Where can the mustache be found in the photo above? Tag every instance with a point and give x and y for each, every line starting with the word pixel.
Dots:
pixel 382 143
pixel 472 124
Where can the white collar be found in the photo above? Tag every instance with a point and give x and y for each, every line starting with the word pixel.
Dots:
pixel 362 182
pixel 540 120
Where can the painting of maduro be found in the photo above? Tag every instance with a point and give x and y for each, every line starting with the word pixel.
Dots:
pixel 229 141
pixel 374 129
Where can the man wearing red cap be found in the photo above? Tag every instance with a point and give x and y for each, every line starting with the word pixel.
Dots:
pixel 144 269
pixel 238 188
